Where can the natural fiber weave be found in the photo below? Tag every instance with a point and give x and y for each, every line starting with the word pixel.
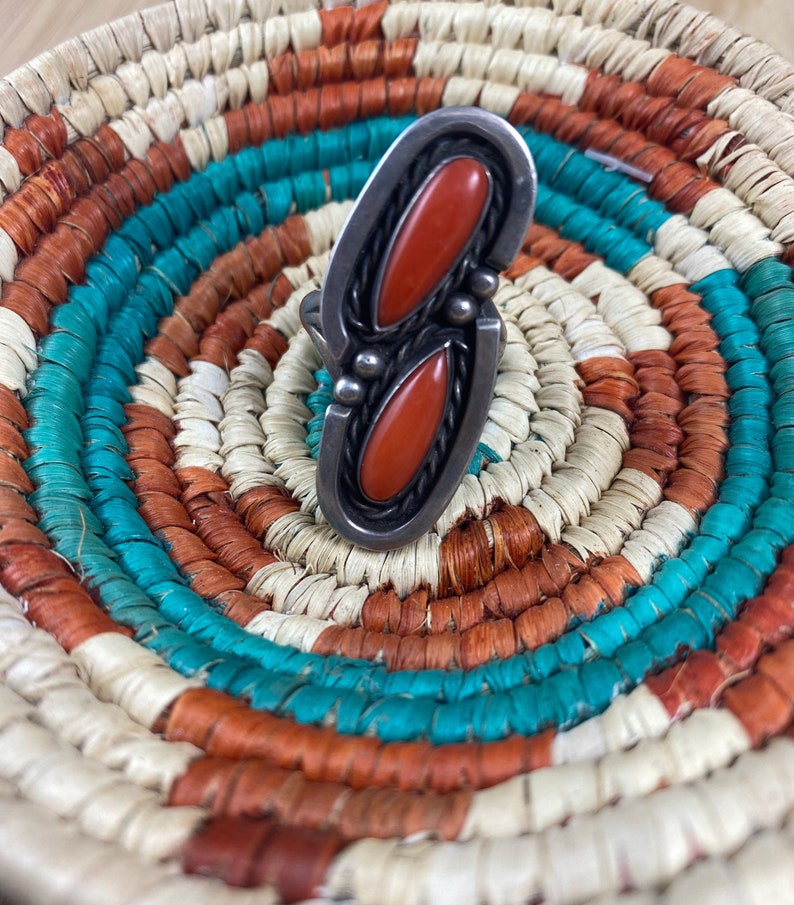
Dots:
pixel 580 686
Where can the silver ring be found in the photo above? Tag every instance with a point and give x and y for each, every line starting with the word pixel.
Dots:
pixel 406 327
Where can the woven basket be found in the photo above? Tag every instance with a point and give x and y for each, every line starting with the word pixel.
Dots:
pixel 580 685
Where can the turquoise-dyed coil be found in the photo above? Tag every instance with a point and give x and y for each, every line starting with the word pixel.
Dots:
pixel 77 464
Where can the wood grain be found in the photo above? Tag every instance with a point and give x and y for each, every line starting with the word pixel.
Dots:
pixel 29 28
pixel 32 27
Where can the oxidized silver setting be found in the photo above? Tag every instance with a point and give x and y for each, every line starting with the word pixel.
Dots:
pixel 370 362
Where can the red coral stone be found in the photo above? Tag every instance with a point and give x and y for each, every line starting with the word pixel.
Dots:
pixel 404 432
pixel 438 227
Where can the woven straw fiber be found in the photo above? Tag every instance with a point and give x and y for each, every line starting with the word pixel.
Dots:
pixel 579 687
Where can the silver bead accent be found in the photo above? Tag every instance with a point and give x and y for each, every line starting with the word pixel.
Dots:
pixel 483 282
pixel 369 364
pixel 460 309
pixel 348 391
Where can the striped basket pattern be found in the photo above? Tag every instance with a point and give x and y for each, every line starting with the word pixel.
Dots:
pixel 579 686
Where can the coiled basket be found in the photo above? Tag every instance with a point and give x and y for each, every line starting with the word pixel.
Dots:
pixel 580 685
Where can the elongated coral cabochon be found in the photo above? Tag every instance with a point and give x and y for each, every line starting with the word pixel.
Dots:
pixel 432 236
pixel 403 433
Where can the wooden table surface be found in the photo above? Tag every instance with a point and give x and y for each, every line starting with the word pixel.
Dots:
pixel 29 28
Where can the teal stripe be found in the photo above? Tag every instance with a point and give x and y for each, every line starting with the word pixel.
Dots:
pixel 90 512
pixel 317 402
